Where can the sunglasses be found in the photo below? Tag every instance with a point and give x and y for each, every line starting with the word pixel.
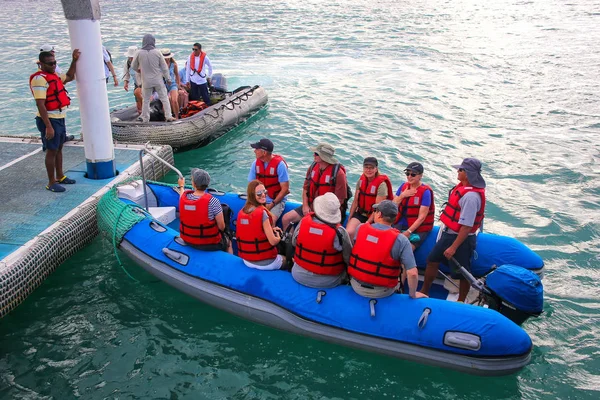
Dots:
pixel 410 174
pixel 316 154
pixel 195 49
pixel 50 63
pixel 461 170
pixel 261 192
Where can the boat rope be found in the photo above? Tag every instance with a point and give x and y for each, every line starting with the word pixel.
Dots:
pixel 424 317
pixel 114 237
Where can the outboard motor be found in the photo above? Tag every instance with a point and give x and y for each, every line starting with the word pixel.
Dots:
pixel 515 292
pixel 219 83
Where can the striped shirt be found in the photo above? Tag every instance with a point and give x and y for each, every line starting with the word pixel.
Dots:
pixel 39 88
pixel 214 205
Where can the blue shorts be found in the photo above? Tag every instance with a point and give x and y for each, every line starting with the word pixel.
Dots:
pixel 172 87
pixel 463 253
pixel 60 133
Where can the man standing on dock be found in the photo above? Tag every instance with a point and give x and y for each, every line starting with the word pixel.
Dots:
pixel 52 101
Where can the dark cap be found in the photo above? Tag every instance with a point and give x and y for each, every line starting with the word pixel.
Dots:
pixel 414 167
pixel 370 161
pixel 388 208
pixel 200 177
pixel 263 144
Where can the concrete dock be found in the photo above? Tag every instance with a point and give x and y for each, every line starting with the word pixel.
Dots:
pixel 40 229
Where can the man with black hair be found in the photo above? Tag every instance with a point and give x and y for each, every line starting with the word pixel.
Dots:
pixel 198 73
pixel 52 100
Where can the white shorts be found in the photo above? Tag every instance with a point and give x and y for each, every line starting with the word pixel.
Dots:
pixel 276 264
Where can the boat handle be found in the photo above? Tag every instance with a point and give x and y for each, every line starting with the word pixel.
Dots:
pixel 320 296
pixel 180 241
pixel 424 317
pixel 176 256
pixel 372 303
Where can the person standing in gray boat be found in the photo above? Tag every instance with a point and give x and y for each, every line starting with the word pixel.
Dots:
pixel 198 73
pixel 153 68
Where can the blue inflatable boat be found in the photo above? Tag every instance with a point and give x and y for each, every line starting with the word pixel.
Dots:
pixel 465 337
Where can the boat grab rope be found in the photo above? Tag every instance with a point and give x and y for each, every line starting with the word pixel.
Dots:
pixel 114 236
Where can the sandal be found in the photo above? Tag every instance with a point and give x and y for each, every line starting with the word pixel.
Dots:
pixel 55 187
pixel 66 181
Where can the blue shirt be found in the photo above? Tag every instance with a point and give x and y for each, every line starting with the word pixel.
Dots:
pixel 282 175
pixel 425 202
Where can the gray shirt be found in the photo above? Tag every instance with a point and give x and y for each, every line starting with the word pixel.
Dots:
pixel 401 250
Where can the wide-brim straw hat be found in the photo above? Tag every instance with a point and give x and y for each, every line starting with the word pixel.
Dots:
pixel 131 50
pixel 167 53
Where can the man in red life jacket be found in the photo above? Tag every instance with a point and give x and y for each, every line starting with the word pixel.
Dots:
pixel 462 217
pixel 271 169
pixel 379 254
pixel 198 73
pixel 324 175
pixel 202 223
pixel 52 101
pixel 322 245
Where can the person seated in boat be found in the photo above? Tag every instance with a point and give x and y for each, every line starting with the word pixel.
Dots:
pixel 173 88
pixel 183 93
pixel 462 217
pixel 322 245
pixel 324 175
pixel 131 75
pixel 378 255
pixel 271 169
pixel 256 233
pixel 202 223
pixel 371 188
pixel 416 207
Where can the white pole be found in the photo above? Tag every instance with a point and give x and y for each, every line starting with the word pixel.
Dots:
pixel 83 20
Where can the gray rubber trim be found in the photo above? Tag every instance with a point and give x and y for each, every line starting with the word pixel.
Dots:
pixel 267 313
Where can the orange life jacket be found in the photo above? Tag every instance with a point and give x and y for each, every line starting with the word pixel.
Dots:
pixel 56 95
pixel 321 182
pixel 371 261
pixel 451 213
pixel 252 242
pixel 195 227
pixel 193 107
pixel 314 248
pixel 200 64
pixel 367 193
pixel 268 176
pixel 409 208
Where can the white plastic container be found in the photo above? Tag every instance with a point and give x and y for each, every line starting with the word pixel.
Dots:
pixel 165 215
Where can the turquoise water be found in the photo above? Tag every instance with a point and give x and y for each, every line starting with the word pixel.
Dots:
pixel 514 83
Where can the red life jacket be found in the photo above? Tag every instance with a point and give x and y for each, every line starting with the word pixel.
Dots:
pixel 321 182
pixel 56 94
pixel 314 248
pixel 451 213
pixel 268 176
pixel 409 208
pixel 252 243
pixel 200 64
pixel 367 193
pixel 371 261
pixel 195 227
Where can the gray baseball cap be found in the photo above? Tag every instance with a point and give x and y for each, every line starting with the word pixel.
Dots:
pixel 388 208
pixel 200 177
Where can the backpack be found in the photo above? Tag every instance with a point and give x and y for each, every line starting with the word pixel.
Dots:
pixel 344 205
